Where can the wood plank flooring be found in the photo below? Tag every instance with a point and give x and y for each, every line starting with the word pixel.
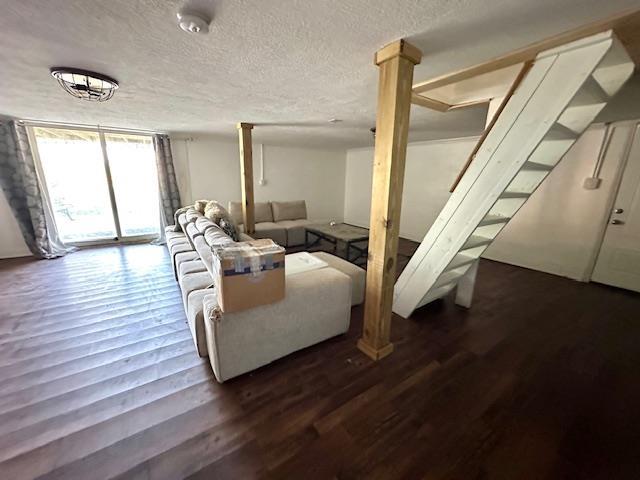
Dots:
pixel 99 379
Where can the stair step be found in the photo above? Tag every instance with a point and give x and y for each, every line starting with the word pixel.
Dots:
pixel 591 93
pixel 436 293
pixel 514 195
pixel 536 167
pixel 459 260
pixel 476 241
pixel 493 219
pixel 448 277
pixel 560 132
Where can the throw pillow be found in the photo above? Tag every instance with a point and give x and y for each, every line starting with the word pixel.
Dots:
pixel 200 205
pixel 214 211
pixel 219 215
pixel 229 228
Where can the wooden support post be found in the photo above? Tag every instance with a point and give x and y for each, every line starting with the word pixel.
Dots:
pixel 396 62
pixel 246 176
pixel 466 286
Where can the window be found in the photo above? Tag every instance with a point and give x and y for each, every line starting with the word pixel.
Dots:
pixel 102 186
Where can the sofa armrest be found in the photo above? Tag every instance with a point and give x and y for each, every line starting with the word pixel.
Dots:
pixel 317 306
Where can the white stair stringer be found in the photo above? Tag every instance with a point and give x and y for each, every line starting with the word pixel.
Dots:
pixel 556 101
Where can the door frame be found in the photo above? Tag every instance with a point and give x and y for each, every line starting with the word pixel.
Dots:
pixel 613 195
pixel 103 145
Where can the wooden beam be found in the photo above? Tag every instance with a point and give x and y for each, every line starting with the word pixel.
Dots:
pixel 423 101
pixel 246 176
pixel 625 24
pixel 396 63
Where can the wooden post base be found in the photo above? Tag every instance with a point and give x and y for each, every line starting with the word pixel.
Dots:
pixel 374 353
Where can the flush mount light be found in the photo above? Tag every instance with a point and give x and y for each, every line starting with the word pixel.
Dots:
pixel 193 22
pixel 84 84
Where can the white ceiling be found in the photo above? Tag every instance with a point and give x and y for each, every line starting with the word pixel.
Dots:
pixel 287 65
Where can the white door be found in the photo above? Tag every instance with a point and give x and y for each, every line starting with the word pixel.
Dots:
pixel 618 262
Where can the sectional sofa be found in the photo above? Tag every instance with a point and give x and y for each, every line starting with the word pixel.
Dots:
pixel 283 222
pixel 317 303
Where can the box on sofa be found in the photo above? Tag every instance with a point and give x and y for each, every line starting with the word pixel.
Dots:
pixel 249 274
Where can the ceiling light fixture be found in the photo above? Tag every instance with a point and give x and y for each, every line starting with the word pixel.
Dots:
pixel 193 22
pixel 84 84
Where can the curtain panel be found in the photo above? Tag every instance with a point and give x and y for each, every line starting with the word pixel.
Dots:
pixel 21 186
pixel 167 182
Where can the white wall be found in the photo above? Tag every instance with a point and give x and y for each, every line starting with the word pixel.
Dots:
pixel 430 170
pixel 11 241
pixel 209 168
pixel 557 231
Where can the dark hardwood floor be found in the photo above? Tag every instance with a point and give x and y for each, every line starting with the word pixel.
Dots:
pixel 99 379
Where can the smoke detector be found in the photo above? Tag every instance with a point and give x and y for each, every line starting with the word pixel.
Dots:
pixel 192 22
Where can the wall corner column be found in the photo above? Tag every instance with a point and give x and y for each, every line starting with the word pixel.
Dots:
pixel 396 62
pixel 246 176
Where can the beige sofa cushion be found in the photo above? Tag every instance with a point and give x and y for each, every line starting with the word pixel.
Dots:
pixel 235 210
pixel 262 212
pixel 289 210
pixel 271 230
pixel 295 231
pixel 173 242
pixel 192 282
pixel 204 252
pixel 182 257
pixel 195 318
pixel 191 266
pixel 358 275
pixel 174 235
pixel 190 216
pixel 182 221
pixel 216 237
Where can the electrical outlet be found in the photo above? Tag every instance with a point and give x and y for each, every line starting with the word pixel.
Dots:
pixel 592 183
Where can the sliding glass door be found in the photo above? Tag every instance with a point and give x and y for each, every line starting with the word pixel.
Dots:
pixel 132 165
pixel 103 187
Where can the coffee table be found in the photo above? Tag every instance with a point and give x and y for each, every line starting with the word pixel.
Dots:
pixel 337 233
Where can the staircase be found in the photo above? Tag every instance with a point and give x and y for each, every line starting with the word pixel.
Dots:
pixel 556 101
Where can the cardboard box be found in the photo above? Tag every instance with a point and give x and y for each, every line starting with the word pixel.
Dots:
pixel 249 274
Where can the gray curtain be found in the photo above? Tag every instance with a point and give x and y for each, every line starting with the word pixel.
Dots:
pixel 168 185
pixel 20 184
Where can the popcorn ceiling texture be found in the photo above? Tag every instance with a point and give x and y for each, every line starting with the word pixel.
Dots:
pixel 287 65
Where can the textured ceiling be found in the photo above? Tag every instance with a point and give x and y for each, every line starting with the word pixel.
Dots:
pixel 287 65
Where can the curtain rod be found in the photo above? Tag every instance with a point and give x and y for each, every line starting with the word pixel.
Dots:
pixel 40 123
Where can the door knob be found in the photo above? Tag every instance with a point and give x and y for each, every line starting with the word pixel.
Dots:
pixel 615 221
pixel 618 210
